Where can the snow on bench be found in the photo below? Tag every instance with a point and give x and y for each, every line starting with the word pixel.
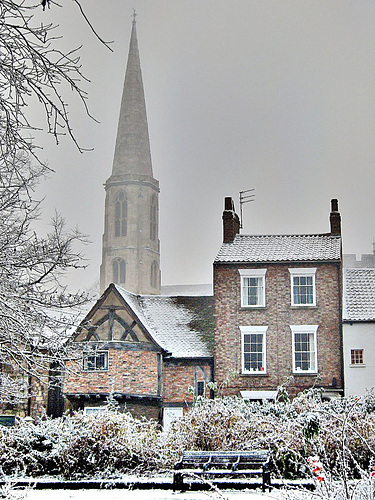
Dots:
pixel 213 464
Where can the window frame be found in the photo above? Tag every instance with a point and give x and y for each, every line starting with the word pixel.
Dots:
pixel 153 218
pixel 94 410
pixel 248 330
pixel 96 355
pixel 306 272
pixel 258 274
pixel 309 329
pixel 360 353
pixel 154 274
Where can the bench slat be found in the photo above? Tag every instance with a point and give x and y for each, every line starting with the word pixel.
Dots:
pixel 223 463
pixel 226 472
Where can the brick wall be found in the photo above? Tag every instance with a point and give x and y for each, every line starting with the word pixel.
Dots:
pixel 139 409
pixel 34 402
pixel 132 372
pixel 178 376
pixel 277 315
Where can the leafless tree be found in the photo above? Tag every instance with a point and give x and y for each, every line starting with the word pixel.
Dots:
pixel 33 67
pixel 36 311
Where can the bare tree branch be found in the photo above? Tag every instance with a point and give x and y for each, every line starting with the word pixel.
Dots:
pixel 37 313
pixel 33 67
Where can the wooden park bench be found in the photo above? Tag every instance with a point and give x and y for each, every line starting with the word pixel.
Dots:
pixel 218 464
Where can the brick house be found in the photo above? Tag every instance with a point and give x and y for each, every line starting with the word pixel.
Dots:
pixel 278 310
pixel 146 350
pixel 277 319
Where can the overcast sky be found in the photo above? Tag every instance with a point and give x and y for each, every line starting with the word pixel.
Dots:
pixel 274 95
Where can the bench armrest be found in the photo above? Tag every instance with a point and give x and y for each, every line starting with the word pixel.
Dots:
pixel 235 464
pixel 207 464
pixel 178 465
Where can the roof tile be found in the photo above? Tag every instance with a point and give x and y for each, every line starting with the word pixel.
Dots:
pixel 280 248
pixel 359 294
pixel 182 326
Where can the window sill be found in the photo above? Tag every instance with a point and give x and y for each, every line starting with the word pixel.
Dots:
pixel 358 365
pixel 246 308
pixel 95 371
pixel 305 373
pixel 303 306
pixel 254 374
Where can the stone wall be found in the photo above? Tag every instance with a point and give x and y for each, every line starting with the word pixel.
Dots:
pixel 137 247
pixel 34 404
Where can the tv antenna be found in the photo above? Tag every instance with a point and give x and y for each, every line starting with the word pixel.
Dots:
pixel 245 197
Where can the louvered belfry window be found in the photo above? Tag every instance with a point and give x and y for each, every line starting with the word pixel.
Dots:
pixel 119 271
pixel 121 215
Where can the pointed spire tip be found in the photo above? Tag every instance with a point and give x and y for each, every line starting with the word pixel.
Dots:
pixel 134 15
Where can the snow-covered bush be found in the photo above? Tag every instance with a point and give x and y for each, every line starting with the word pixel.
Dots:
pixel 81 445
pixel 232 424
pixel 113 442
pixel 340 432
pixel 331 443
pixel 219 424
pixel 33 449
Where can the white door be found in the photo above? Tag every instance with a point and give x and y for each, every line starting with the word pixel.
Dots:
pixel 170 414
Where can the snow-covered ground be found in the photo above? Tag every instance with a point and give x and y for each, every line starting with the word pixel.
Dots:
pixel 124 494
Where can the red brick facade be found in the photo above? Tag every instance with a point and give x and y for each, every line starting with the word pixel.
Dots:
pixel 278 314
pixel 295 344
pixel 181 375
pixel 141 375
pixel 278 310
pixel 130 372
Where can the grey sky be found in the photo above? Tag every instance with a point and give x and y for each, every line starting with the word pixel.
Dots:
pixel 273 95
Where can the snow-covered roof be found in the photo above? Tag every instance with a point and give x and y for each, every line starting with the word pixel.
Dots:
pixel 359 294
pixel 182 325
pixel 280 248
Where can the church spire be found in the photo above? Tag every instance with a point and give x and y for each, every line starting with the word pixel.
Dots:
pixel 132 151
pixel 131 249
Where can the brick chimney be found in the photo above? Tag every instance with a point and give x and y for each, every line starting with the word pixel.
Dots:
pixel 335 218
pixel 231 221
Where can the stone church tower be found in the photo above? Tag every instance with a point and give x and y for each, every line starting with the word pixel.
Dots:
pixel 131 249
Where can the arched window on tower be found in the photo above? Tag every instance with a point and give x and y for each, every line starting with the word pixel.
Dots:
pixel 153 219
pixel 119 271
pixel 154 274
pixel 121 214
